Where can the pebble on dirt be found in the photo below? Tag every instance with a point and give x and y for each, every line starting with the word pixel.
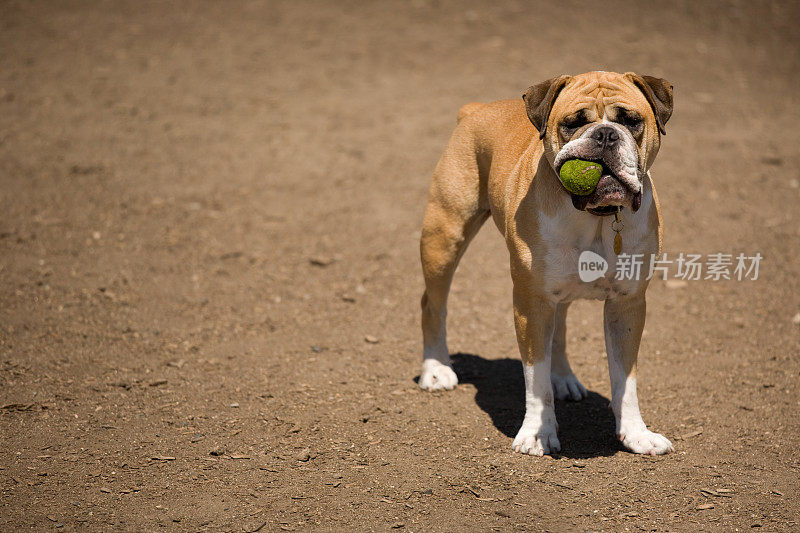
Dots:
pixel 321 261
pixel 303 455
pixel 676 284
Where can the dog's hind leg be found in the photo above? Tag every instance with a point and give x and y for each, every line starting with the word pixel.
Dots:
pixel 565 385
pixel 452 218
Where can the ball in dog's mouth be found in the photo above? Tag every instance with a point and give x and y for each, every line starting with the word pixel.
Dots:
pixel 609 194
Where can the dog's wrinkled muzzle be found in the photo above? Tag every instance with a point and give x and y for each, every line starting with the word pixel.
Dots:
pixel 620 185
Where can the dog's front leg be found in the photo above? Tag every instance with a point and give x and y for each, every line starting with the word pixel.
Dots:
pixel 534 320
pixel 623 324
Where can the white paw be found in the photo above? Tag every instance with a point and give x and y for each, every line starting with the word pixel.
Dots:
pixel 568 387
pixel 537 441
pixel 437 376
pixel 646 442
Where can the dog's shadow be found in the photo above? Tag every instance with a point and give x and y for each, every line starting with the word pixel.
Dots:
pixel 585 428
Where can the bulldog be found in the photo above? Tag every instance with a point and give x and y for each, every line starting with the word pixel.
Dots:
pixel 503 162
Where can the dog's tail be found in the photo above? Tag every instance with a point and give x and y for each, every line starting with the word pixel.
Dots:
pixel 468 109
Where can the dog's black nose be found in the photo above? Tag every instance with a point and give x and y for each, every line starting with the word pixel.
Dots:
pixel 606 136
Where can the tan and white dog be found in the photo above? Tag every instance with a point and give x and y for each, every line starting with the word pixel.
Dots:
pixel 502 161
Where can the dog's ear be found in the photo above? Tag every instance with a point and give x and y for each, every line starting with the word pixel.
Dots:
pixel 539 100
pixel 658 92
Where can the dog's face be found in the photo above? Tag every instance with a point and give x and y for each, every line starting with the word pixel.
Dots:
pixel 614 119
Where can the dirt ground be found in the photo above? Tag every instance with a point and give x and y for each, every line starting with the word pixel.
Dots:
pixel 210 284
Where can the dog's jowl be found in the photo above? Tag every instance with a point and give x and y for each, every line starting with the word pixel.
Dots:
pixel 503 162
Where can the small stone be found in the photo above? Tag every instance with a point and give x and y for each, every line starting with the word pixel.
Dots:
pixel 691 434
pixel 303 455
pixel 372 340
pixel 321 261
pixel 234 405
pixel 255 527
pixel 772 161
pixel 676 283
pixel 796 319
pixel 705 507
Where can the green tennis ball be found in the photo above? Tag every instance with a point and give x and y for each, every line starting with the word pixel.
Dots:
pixel 580 177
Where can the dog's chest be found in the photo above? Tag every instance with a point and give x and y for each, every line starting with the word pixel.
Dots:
pixel 572 273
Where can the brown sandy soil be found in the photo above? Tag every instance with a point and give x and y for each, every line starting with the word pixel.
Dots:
pixel 207 207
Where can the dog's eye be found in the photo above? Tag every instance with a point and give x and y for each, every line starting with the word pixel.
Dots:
pixel 571 124
pixel 631 121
